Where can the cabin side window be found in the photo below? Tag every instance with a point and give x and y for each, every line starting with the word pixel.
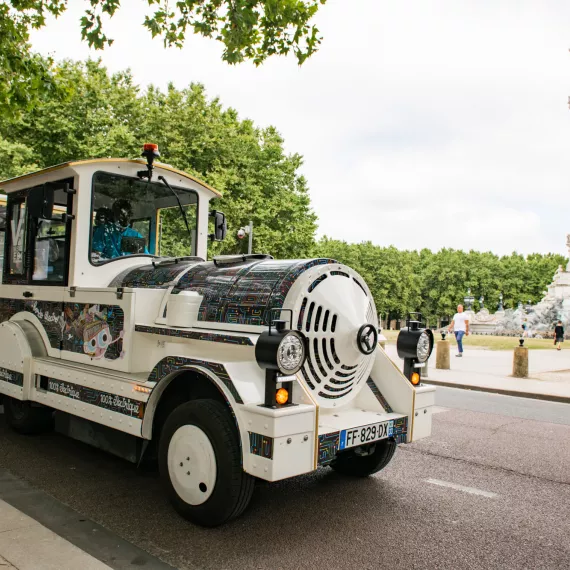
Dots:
pixel 132 217
pixel 37 235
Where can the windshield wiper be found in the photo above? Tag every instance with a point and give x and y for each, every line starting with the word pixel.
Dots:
pixel 163 180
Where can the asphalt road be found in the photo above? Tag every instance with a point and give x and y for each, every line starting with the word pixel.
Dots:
pixel 487 490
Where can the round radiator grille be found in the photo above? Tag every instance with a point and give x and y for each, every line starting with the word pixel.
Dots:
pixel 331 304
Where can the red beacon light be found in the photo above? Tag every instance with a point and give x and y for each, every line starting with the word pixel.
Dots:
pixel 151 147
pixel 150 152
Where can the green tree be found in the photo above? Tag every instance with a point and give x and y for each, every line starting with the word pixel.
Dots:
pixel 94 114
pixel 248 29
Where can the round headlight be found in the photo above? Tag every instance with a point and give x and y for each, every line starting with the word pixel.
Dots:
pixel 423 347
pixel 291 353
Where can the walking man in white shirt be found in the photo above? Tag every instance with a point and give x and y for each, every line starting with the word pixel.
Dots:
pixel 460 324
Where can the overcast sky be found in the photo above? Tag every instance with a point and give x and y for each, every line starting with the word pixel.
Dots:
pixel 422 123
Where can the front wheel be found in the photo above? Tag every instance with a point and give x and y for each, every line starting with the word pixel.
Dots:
pixel 356 463
pixel 200 463
pixel 26 417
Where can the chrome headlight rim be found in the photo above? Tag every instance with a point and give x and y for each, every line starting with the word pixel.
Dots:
pixel 300 360
pixel 423 347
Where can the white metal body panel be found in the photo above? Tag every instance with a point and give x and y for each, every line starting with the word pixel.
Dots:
pixel 98 380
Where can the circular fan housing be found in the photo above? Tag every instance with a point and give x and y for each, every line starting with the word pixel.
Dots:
pixel 330 304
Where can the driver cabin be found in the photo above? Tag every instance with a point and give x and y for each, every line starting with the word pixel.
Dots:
pixel 81 223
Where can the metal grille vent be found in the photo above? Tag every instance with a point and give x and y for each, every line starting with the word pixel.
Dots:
pixel 324 371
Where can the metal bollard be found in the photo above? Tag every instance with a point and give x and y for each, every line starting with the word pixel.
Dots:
pixel 520 360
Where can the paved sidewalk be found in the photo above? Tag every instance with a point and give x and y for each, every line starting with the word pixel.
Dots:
pixel 27 545
pixel 490 371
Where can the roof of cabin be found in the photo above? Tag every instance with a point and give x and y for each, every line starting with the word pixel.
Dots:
pixel 94 160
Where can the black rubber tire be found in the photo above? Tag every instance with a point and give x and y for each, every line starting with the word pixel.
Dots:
pixel 348 463
pixel 234 487
pixel 27 418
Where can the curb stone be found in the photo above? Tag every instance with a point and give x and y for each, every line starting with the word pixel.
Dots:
pixel 520 394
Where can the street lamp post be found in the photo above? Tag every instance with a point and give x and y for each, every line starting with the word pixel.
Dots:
pixel 500 307
pixel 468 300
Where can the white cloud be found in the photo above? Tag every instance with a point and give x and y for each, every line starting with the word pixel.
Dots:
pixel 422 124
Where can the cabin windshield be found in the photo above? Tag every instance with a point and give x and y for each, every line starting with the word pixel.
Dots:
pixel 133 217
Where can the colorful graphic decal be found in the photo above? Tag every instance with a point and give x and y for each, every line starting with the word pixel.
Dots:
pixel 173 363
pixel 12 377
pixel 151 277
pixel 95 330
pixel 206 336
pixel 244 292
pixel 111 402
pixel 400 431
pixel 261 445
pixel 328 447
pixel 49 313
pixel 383 402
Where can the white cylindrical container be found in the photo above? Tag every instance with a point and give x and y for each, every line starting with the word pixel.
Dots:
pixel 182 309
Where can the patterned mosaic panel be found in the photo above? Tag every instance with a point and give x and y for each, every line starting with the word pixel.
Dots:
pixel 400 432
pixel 383 402
pixel 49 313
pixel 261 445
pixel 328 447
pixel 94 330
pixel 194 335
pixel 244 292
pixel 11 377
pixel 173 363
pixel 111 402
pixel 150 277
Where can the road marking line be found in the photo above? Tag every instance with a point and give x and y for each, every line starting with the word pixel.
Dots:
pixel 470 490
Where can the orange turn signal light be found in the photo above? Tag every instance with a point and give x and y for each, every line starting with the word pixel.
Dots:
pixel 282 396
pixel 150 146
pixel 415 378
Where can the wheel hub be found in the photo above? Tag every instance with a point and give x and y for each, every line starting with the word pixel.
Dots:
pixel 192 464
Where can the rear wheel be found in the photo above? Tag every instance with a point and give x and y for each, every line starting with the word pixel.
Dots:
pixel 200 463
pixel 26 417
pixel 363 462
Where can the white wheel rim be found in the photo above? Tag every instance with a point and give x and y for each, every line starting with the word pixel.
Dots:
pixel 192 465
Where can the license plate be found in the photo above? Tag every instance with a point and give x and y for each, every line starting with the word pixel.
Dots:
pixel 365 434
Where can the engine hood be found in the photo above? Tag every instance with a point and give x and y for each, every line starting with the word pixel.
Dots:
pixel 241 292
pixel 327 301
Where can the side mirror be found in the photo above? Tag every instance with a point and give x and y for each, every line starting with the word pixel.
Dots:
pixel 40 202
pixel 220 226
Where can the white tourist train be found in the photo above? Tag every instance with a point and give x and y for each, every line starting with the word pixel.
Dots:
pixel 227 370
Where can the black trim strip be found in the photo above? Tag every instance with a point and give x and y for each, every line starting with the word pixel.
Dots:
pixel 328 447
pixel 171 364
pixel 261 445
pixel 383 402
pixel 11 377
pixel 106 400
pixel 205 336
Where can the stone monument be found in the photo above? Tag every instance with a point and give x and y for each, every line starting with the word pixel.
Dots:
pixel 557 296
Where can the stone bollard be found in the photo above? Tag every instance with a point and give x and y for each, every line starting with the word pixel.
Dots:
pixel 442 354
pixel 520 361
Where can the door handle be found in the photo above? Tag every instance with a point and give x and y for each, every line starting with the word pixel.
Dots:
pixel 27 294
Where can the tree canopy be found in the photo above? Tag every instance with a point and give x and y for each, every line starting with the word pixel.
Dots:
pixel 435 283
pixel 248 29
pixel 91 114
